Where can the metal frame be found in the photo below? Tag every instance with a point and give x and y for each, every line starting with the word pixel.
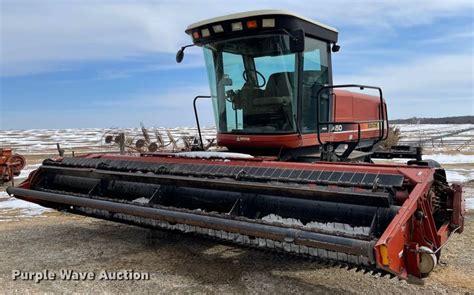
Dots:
pixel 383 132
pixel 197 117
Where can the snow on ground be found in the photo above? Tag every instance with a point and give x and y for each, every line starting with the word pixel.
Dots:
pixel 470 203
pixel 35 141
pixel 41 141
pixel 460 175
pixel 443 159
pixel 439 137
pixel 27 170
pixel 430 128
pixel 9 204
pixel 450 159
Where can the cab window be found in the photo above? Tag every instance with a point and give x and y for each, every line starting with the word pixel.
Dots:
pixel 315 76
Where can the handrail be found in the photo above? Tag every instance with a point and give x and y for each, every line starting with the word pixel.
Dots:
pixel 197 117
pixel 382 113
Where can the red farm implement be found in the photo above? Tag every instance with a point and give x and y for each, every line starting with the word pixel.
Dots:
pixel 295 171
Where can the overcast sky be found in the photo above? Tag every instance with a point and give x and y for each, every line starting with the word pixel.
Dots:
pixel 112 63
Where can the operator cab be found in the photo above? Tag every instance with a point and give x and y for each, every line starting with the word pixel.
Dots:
pixel 265 69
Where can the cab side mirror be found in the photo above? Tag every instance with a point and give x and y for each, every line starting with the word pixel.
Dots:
pixel 180 55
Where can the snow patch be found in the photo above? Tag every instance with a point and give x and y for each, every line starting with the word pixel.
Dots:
pixel 459 175
pixel 273 218
pixel 141 200
pixel 4 196
pixel 328 226
pixel 470 203
pixel 27 170
pixel 339 227
pixel 27 209
pixel 450 159
pixel 218 155
pixel 41 141
pixel 434 128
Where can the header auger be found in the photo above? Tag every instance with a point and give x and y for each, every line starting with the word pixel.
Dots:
pixel 295 172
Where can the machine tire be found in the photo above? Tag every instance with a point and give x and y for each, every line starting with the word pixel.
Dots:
pixel 428 261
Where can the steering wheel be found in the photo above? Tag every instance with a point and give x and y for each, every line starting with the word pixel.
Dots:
pixel 245 76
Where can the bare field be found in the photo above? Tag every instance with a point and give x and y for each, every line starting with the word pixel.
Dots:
pixel 181 263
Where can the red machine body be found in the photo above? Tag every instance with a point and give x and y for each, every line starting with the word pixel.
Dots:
pixel 347 106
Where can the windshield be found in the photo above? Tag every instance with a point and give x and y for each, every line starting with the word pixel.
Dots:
pixel 252 83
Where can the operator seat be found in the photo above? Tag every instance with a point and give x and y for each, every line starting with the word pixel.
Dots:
pixel 273 107
pixel 279 85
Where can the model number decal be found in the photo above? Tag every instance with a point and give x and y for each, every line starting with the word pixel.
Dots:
pixel 337 128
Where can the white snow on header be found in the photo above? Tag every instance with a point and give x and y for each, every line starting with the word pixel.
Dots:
pixel 327 226
pixel 218 155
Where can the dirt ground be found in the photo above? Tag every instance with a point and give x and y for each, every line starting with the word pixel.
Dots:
pixel 180 263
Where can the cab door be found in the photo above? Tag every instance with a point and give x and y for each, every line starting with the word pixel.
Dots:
pixel 315 75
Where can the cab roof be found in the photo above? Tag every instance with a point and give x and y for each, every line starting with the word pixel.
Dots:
pixel 262 22
pixel 264 12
